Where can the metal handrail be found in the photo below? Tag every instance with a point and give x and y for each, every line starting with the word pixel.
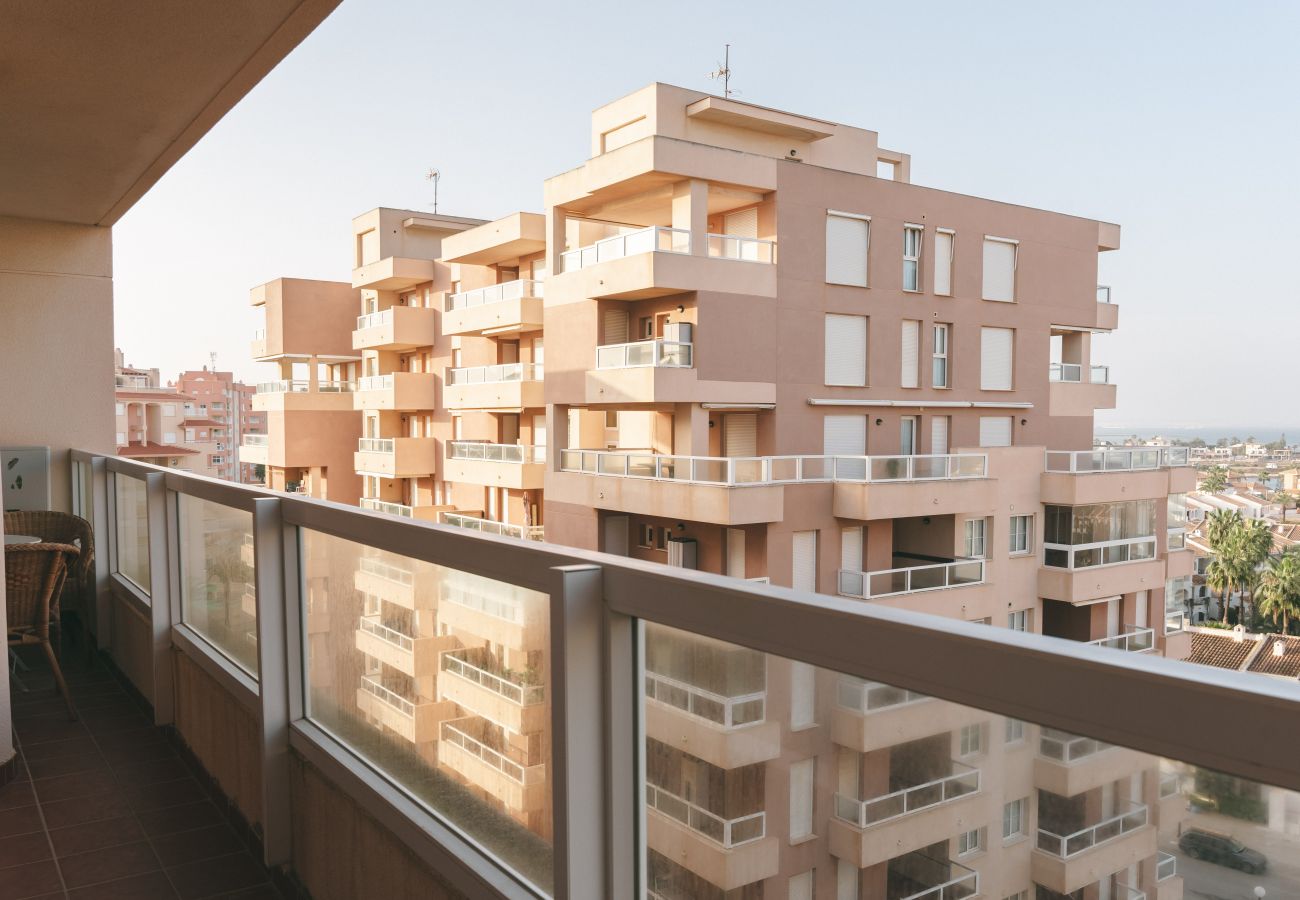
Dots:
pixel 385 506
pixel 372 625
pixel 1134 640
pixel 874 810
pixel 516 772
pixel 1071 845
pixel 749 471
pixel 964 572
pixel 1103 293
pixel 868 697
pixel 375 319
pixel 963 885
pixel 1066 748
pixel 726 833
pixel 489 526
pixel 729 712
pixel 1064 556
pixel 655 238
pixel 1166 865
pixel 518 289
pixel 498 374
pixel 391 698
pixel 505 453
pixel 376 445
pixel 744 249
pixel 655 353
pixel 300 386
pixel 259 335
pixel 454 663
pixel 506 610
pixel 1125 460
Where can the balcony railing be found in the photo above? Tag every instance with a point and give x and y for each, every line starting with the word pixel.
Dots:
pixel 1166 865
pixel 372 685
pixel 375 383
pixel 911 580
pixel 373 625
pixel 498 374
pixel 503 453
pixel 256 440
pixel 1103 293
pixel 1169 783
pixel 455 663
pixel 298 386
pixel 655 238
pixel 516 772
pixel 871 696
pixel 1137 459
pixel 657 353
pixel 726 833
pixel 380 569
pixel 507 609
pixel 386 506
pixel 1069 846
pixel 259 335
pixel 1066 748
pixel 1072 373
pixel 865 813
pixel 375 319
pixel 1133 640
pixel 1099 553
pixel 496 293
pixel 488 526
pixel 745 249
pixel 729 712
pixel 741 471
pixel 955 881
pixel 376 445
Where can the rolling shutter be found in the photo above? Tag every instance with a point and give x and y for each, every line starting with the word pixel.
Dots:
pixel 911 353
pixel 851 549
pixel 736 552
pixel 740 434
pixel 999 270
pixel 995 431
pixel 846 436
pixel 803 575
pixel 943 244
pixel 846 350
pixel 803 694
pixel 996 358
pixel 616 326
pixel 741 224
pixel 846 250
pixel 939 434
pixel 801 807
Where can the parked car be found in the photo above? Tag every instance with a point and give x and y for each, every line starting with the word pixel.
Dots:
pixel 1222 849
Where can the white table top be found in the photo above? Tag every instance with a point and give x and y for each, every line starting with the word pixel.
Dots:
pixel 21 539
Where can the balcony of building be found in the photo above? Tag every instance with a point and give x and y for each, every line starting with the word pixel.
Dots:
pixel 1076 850
pixel 390 641
pixel 396 328
pixel 491 611
pixel 1169 884
pixel 491 526
pixel 518 466
pixel 511 307
pixel 923 806
pixel 870 716
pixel 728 850
pixel 425 513
pixel 505 387
pixel 1068 764
pixel 1133 639
pixel 301 394
pixel 393 582
pixel 1107 308
pixel 303 317
pixel 396 391
pixel 255 449
pixel 1076 477
pixel 411 716
pixel 915 575
pixel 477 751
pixel 649 371
pixel 403 457
pixel 922 875
pixel 481 683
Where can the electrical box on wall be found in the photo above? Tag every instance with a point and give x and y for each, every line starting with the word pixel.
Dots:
pixel 683 553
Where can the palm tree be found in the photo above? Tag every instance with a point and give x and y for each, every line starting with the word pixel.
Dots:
pixel 1220 525
pixel 1279 590
pixel 1215 481
pixel 1256 538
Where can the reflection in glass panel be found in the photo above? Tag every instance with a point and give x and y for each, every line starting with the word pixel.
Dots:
pixel 437 678
pixel 895 796
pixel 132 530
pixel 218 596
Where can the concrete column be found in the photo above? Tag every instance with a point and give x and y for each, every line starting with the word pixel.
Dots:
pixel 691 212
pixel 313 374
pixel 555 222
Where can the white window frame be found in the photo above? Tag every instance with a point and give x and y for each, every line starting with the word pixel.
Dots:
pixel 1018 620
pixel 1015 731
pixel 828 320
pixel 971 842
pixel 939 356
pixel 1020 536
pixel 866 250
pixel 970 740
pixel 938 260
pixel 975 537
pixel 1015 264
pixel 1014 819
pixel 914 234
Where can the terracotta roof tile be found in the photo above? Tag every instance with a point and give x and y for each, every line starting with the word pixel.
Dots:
pixel 1286 665
pixel 1219 650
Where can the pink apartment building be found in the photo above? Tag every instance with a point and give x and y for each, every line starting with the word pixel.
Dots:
pixel 151 422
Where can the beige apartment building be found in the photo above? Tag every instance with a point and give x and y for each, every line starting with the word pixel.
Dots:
pixel 772 357
pixel 155 422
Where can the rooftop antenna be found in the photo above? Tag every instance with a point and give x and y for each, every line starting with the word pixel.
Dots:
pixel 212 358
pixel 435 176
pixel 723 71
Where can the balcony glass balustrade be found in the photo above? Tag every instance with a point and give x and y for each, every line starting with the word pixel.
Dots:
pixel 496 293
pixel 740 471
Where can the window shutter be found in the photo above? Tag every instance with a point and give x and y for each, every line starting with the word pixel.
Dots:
pixel 911 353
pixel 803 689
pixel 736 553
pixel 851 549
pixel 801 804
pixel 939 434
pixel 804 565
pixel 846 250
pixel 844 435
pixel 846 350
pixel 616 326
pixel 741 224
pixel 999 270
pixel 740 434
pixel 995 431
pixel 996 358
pixel 943 243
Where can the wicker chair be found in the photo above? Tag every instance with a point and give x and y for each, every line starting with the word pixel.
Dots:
pixel 59 528
pixel 33 573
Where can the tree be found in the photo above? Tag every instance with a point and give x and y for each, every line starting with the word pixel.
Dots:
pixel 1196 442
pixel 1224 531
pixel 1279 590
pixel 1219 577
pixel 1256 547
pixel 1215 481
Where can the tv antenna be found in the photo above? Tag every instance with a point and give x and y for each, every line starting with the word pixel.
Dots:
pixel 723 72
pixel 435 176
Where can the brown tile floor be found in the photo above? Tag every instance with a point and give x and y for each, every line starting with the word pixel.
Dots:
pixel 105 808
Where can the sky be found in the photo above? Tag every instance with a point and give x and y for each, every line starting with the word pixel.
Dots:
pixel 1177 120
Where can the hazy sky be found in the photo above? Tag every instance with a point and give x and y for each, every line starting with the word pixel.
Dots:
pixel 1177 120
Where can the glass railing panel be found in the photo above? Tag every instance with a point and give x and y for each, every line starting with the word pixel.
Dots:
pixel 132 522
pixel 483 770
pixel 218 597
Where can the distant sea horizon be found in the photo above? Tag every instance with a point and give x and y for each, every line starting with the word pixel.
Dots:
pixel 1211 434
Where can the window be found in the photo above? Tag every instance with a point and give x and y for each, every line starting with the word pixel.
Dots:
pixel 943 247
pixel 969 842
pixel 939 426
pixel 974 538
pixel 801 798
pixel 846 350
pixel 121 409
pixel 1099 534
pixel 169 409
pixel 121 438
pixel 662 543
pixel 803 688
pixel 997 358
pixel 1019 620
pixel 999 269
pixel 971 740
pixel 912 235
pixel 846 881
pixel 646 537
pixel 939 364
pixel 1014 816
pixel 848 239
pixel 995 431
pixel 804 551
pixel 1015 731
pixel 911 374
pixel 1020 532
pixel 801 886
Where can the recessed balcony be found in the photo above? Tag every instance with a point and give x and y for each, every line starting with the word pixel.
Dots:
pixel 1131 640
pixel 415 720
pixel 507 387
pixel 1076 390
pixel 868 831
pixel 469 749
pixel 884 583
pixel 507 308
pixel 395 328
pixel 514 700
pixel 394 273
pixel 725 731
pixel 395 457
pixel 397 390
pixel 290 395
pixel 1068 764
pixel 490 526
pixel 517 466
pixel 918 876
pixel 656 261
pixel 871 716
pixel 1068 862
pixel 727 852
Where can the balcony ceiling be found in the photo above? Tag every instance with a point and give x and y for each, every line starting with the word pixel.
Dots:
pixel 98 100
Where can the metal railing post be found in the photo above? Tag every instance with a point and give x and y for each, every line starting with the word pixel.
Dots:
pixel 275 606
pixel 163 532
pixel 103 604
